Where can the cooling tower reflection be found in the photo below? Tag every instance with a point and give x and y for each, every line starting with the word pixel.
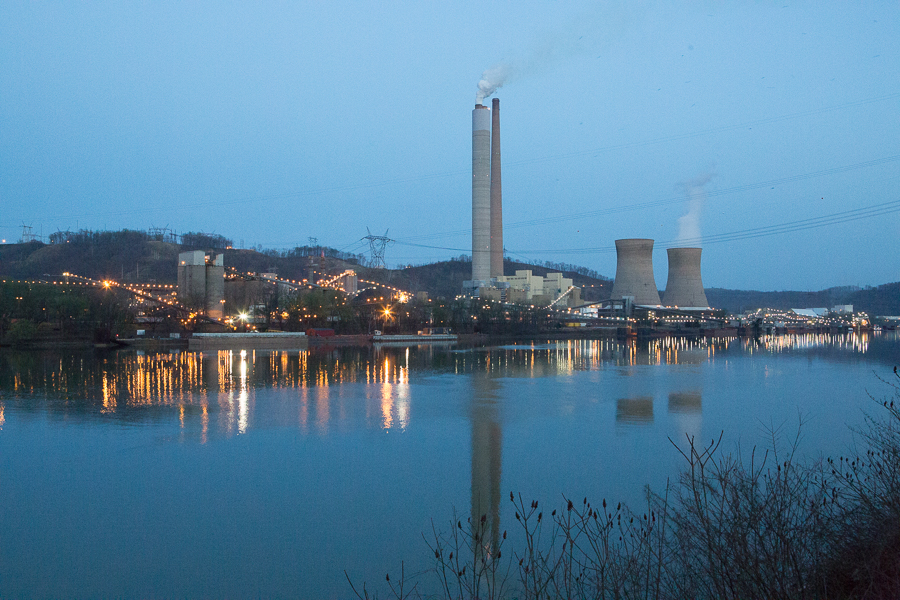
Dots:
pixel 634 411
pixel 687 410
pixel 685 402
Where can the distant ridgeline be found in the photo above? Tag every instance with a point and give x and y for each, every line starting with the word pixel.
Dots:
pixel 880 300
pixel 130 256
pixel 151 257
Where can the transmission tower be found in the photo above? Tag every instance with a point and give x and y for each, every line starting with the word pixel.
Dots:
pixel 28 234
pixel 377 244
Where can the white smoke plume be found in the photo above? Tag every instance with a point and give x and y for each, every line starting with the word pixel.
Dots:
pixel 491 80
pixel 586 33
pixel 689 223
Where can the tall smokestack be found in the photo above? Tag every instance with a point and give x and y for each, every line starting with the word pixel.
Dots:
pixel 634 272
pixel 496 194
pixel 481 194
pixel 684 286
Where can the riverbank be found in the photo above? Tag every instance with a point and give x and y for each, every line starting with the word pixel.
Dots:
pixel 290 340
pixel 727 526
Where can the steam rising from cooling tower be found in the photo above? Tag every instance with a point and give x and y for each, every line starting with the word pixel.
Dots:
pixel 634 272
pixel 684 287
pixel 689 222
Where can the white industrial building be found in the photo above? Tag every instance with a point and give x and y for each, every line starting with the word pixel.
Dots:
pixel 527 288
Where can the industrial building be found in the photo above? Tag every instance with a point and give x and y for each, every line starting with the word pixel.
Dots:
pixel 481 197
pixel 526 288
pixel 201 282
pixel 487 199
pixel 488 280
pixel 634 272
pixel 496 194
pixel 684 287
pixel 635 280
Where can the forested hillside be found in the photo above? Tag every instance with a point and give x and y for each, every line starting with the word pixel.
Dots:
pixel 136 256
pixel 880 300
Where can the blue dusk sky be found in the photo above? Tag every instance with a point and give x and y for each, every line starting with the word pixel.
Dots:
pixel 766 132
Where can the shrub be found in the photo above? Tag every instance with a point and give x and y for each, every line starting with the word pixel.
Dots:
pixel 765 526
pixel 21 332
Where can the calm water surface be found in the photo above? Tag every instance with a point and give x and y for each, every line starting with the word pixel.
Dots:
pixel 267 474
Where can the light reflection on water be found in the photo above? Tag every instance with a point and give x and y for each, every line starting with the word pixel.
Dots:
pixel 226 382
pixel 274 444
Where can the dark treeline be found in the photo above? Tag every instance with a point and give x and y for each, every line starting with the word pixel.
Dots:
pixel 371 311
pixel 325 251
pixel 151 256
pixel 32 312
pixel 880 300
pixel 121 255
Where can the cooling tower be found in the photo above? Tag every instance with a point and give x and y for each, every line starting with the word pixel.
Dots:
pixel 481 194
pixel 684 286
pixel 634 272
pixel 496 194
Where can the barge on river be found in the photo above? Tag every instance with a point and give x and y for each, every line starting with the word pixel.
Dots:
pixel 280 340
pixel 427 335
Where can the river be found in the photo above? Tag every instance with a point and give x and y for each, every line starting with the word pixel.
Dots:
pixel 268 474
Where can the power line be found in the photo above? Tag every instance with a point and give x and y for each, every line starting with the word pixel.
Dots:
pixel 724 128
pixel 842 217
pixel 366 185
pixel 377 244
pixel 657 203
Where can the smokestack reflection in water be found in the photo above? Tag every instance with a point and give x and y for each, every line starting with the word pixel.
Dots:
pixel 487 444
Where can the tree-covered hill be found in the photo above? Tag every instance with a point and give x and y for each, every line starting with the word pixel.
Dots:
pixel 137 256
pixel 121 255
pixel 881 300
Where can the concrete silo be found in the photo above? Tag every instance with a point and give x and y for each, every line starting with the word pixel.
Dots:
pixel 684 287
pixel 634 272
pixel 201 282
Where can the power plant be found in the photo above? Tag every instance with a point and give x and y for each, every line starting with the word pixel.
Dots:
pixel 634 257
pixel 487 196
pixel 496 194
pixel 481 196
pixel 684 287
pixel 634 272
pixel 201 282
